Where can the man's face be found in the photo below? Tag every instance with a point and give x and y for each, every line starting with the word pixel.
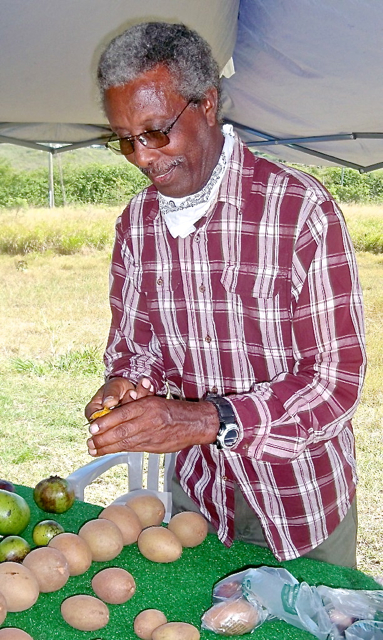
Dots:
pixel 151 102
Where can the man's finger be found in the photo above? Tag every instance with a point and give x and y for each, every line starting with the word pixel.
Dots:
pixel 144 388
pixel 111 394
pixel 95 404
pixel 117 418
pixel 114 391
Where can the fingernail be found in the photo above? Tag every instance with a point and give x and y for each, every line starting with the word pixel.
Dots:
pixel 146 383
pixel 94 428
pixel 92 452
pixel 133 395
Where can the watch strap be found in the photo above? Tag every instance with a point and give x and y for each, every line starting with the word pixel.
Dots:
pixel 227 420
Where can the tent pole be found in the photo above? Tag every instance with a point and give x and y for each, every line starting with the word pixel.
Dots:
pixel 51 183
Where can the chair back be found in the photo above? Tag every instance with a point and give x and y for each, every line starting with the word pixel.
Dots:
pixel 147 473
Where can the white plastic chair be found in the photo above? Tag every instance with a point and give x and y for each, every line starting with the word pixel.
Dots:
pixel 159 471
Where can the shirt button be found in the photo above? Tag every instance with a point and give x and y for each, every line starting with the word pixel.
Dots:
pixel 208 339
pixel 197 238
pixel 214 390
pixel 202 288
pixel 224 478
pixel 160 282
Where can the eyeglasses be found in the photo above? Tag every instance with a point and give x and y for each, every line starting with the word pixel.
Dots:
pixel 150 139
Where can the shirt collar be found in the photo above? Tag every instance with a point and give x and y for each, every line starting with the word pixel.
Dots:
pixel 231 187
pixel 181 214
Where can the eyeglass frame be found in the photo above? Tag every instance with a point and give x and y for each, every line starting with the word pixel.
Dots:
pixel 138 137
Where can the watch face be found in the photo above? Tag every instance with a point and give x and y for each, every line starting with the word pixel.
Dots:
pixel 227 436
pixel 228 433
pixel 230 437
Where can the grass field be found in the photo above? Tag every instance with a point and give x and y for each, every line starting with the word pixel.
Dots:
pixel 55 319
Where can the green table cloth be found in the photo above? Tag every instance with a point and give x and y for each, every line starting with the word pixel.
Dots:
pixel 181 589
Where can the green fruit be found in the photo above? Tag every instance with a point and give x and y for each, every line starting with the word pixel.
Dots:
pixel 45 530
pixel 13 549
pixel 14 513
pixel 54 495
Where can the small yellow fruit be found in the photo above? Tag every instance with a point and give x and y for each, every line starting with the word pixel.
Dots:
pixel 45 530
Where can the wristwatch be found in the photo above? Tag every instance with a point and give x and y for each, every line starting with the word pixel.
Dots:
pixel 228 434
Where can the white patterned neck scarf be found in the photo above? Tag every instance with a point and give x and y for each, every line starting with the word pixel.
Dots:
pixel 181 213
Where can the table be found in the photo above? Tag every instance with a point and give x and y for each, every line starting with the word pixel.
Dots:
pixel 181 589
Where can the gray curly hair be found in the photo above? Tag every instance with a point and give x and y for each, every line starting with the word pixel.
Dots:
pixel 183 51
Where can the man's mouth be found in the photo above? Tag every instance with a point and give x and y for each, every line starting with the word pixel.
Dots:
pixel 160 174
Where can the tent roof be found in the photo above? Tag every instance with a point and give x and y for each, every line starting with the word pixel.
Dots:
pixel 307 85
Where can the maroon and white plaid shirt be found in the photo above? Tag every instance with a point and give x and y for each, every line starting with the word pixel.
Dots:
pixel 262 304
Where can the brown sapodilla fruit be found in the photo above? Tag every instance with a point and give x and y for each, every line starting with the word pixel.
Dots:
pixel 103 537
pixel 49 566
pixel 75 549
pixel 85 613
pixel 126 519
pixel 114 585
pixel 18 586
pixel 149 508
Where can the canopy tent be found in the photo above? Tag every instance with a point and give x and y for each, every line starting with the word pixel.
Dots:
pixel 307 84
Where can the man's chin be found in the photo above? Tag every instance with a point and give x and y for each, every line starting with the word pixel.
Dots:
pixel 175 188
pixel 166 181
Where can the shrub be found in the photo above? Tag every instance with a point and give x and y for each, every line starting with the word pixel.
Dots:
pixel 113 185
pixel 348 185
pixel 89 184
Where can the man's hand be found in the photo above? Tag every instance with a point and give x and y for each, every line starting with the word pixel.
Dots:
pixel 155 425
pixel 118 391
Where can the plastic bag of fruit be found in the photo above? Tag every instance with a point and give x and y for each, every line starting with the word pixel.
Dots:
pixel 346 607
pixel 287 599
pixel 365 630
pixel 231 614
pixel 243 601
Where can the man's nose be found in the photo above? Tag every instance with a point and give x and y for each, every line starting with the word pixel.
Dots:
pixel 142 156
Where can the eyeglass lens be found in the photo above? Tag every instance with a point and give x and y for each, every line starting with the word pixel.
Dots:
pixel 150 139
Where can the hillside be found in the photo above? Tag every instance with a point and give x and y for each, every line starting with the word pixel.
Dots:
pixel 21 158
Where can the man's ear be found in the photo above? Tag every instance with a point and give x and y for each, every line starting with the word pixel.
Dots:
pixel 210 104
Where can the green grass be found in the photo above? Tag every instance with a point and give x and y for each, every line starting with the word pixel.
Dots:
pixel 70 230
pixel 368 421
pixel 365 225
pixel 87 361
pixel 55 320
pixel 63 231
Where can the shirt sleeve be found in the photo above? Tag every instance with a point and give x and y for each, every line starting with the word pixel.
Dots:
pixel 280 418
pixel 132 350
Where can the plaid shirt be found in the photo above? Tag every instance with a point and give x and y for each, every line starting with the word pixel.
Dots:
pixel 262 304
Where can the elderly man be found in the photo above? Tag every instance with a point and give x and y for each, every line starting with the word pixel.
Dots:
pixel 233 286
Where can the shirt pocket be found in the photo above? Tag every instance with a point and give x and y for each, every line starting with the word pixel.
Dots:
pixel 255 281
pixel 160 284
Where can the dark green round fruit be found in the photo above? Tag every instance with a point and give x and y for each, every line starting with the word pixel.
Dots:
pixel 13 549
pixel 54 494
pixel 45 530
pixel 14 513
